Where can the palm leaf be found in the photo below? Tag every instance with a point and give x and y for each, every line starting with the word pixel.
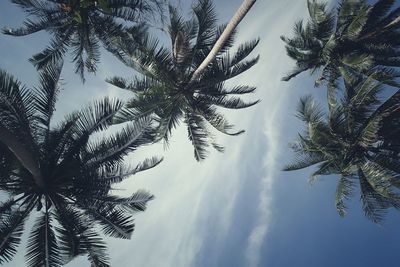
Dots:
pixel 308 110
pixel 303 162
pixel 380 180
pixel 244 51
pixel 11 228
pixel 344 191
pixel 95 248
pixel 378 11
pixel 206 19
pixel 114 222
pixel 137 85
pixel 135 203
pixel 53 54
pixel 46 95
pixel 374 206
pixel 120 172
pixel 73 224
pixel 219 123
pixel 197 135
pixel 227 102
pixel 115 147
pixel 42 249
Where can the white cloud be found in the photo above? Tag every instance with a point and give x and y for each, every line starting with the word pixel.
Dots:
pixel 274 64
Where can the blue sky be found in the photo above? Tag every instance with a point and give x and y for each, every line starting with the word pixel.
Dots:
pixel 236 208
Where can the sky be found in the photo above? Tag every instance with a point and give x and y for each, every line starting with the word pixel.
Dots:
pixel 235 208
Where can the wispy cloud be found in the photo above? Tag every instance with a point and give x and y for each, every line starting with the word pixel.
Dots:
pixel 274 64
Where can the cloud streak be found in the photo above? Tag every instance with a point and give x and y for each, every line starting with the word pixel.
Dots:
pixel 275 63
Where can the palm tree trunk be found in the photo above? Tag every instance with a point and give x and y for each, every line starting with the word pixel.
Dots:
pixel 239 15
pixel 24 156
pixel 46 243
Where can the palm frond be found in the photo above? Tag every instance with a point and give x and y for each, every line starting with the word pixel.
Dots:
pixel 117 146
pixel 96 249
pixel 325 168
pixel 120 172
pixel 46 94
pixel 11 228
pixel 357 24
pixel 378 12
pixel 308 110
pixel 206 20
pixel 73 224
pixel 53 54
pixel 304 162
pixel 197 135
pixel 237 90
pixel 220 123
pixel 16 103
pixel 114 222
pixel 168 120
pixel 93 118
pixel 380 180
pixel 135 203
pixel 373 204
pixel 344 191
pixel 244 51
pixel 42 248
pixel 32 26
pixel 347 10
pixel 137 85
pixel 295 72
pixel 6 206
pixel 227 102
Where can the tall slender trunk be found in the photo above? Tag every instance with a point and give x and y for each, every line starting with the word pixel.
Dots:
pixel 46 238
pixel 239 15
pixel 24 156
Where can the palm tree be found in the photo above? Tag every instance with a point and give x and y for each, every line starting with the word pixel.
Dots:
pixel 82 26
pixel 358 140
pixel 64 174
pixel 176 88
pixel 360 39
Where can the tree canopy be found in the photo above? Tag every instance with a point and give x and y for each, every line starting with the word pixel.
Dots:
pixel 82 27
pixel 357 140
pixel 357 39
pixel 166 91
pixel 64 175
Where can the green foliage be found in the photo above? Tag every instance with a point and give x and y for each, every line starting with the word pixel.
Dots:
pixel 42 244
pixel 166 92
pixel 360 39
pixel 77 173
pixel 352 141
pixel 83 27
pixel 11 229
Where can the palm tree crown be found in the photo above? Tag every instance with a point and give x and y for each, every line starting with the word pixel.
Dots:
pixel 358 141
pixel 72 175
pixel 360 39
pixel 167 91
pixel 81 26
